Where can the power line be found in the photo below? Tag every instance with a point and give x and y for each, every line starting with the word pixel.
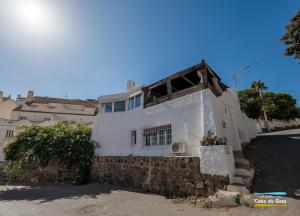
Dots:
pixel 256 63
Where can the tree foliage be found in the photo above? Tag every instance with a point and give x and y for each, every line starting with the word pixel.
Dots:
pixel 292 37
pixel 250 103
pixel 277 105
pixel 280 106
pixel 67 143
pixel 258 86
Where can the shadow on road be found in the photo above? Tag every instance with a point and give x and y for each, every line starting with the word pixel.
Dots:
pixel 50 193
pixel 276 159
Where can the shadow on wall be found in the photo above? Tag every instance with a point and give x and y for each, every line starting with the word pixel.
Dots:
pixel 277 163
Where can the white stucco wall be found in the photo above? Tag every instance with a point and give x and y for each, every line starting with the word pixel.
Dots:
pixel 112 130
pixel 217 160
pixel 191 117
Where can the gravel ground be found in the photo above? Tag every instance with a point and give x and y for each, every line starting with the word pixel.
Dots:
pixel 96 199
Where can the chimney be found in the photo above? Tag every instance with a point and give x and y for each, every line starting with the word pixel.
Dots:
pixel 1 96
pixel 29 96
pixel 130 85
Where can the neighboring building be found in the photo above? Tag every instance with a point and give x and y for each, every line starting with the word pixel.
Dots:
pixel 43 111
pixel 171 117
pixel 38 109
pixel 7 104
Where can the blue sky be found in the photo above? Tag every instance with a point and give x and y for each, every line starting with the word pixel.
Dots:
pixel 95 46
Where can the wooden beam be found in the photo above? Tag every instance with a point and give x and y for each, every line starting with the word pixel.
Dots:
pixel 189 81
pixel 169 88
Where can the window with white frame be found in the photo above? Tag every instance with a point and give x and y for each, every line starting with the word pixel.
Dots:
pixel 107 107
pixel 134 102
pixel 119 106
pixel 161 135
pixel 130 103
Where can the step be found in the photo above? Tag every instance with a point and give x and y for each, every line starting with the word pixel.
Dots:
pixel 238 154
pixel 244 172
pixel 237 180
pixel 237 188
pixel 242 161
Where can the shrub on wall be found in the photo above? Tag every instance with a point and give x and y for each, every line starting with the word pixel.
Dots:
pixel 211 139
pixel 67 143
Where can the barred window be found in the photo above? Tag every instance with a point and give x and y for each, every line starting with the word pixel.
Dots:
pixel 161 135
pixel 169 135
pixel 9 133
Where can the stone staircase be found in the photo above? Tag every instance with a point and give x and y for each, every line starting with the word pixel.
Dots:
pixel 242 180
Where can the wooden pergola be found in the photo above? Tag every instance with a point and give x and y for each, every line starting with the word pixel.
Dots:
pixel 185 82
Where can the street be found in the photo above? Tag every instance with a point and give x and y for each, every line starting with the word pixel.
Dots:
pixel 276 157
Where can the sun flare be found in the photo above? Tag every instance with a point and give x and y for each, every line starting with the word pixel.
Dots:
pixel 34 17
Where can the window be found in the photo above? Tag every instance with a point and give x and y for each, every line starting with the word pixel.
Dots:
pixel 154 138
pixel 169 135
pixel 9 133
pixel 133 137
pixel 107 107
pixel 137 101
pixel 130 103
pixel 147 139
pixel 119 106
pixel 161 135
pixel 134 102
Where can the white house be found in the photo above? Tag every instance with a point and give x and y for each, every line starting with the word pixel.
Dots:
pixel 171 117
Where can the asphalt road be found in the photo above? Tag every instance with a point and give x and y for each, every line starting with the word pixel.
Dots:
pixel 95 199
pixel 276 158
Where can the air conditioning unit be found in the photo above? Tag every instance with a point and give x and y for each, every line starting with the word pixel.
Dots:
pixel 179 147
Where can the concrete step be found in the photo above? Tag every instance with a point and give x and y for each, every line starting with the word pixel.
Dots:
pixel 244 172
pixel 242 161
pixel 237 180
pixel 237 188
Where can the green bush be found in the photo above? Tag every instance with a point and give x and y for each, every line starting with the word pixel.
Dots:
pixel 67 143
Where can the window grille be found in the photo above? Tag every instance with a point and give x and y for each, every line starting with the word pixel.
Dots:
pixel 161 135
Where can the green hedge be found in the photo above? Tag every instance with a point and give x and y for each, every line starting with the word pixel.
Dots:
pixel 67 143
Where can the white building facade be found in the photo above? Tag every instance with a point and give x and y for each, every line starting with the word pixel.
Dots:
pixel 171 117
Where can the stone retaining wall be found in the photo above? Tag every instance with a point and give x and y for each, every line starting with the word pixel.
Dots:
pixel 35 174
pixel 164 175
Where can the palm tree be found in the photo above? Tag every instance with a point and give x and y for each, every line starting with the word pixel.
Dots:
pixel 259 86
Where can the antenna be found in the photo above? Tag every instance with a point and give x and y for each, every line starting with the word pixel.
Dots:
pixel 66 96
pixel 236 76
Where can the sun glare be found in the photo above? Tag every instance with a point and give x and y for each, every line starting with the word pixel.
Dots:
pixel 34 17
